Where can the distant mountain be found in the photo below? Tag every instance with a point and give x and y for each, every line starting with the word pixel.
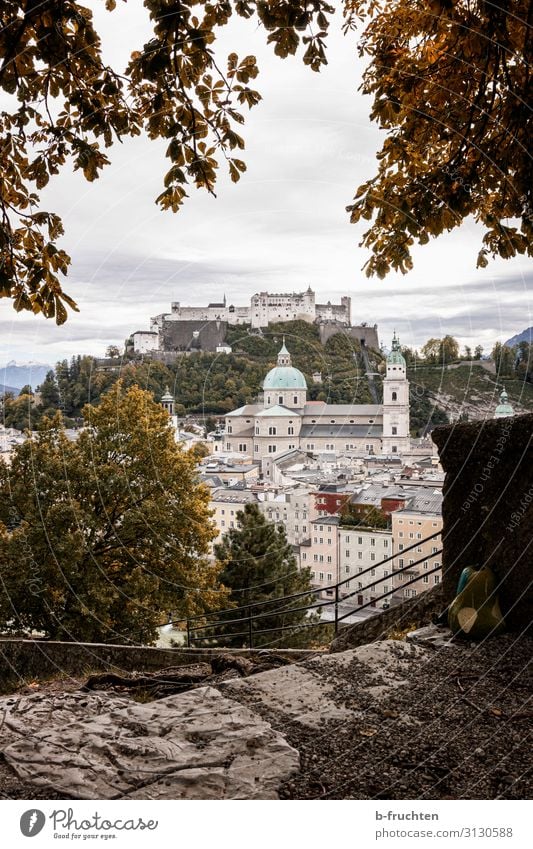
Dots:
pixel 525 336
pixel 5 389
pixel 15 375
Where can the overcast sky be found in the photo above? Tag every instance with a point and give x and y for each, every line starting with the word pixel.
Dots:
pixel 309 144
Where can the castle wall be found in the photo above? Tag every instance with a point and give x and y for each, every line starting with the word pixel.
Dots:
pixel 183 335
pixel 369 335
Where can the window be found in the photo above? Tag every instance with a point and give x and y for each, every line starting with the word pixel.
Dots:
pixel 242 446
pixel 329 541
pixel 360 540
pixel 257 430
pixel 256 449
pixel 419 548
pixel 347 553
pixel 385 543
pixel 400 562
pixel 315 558
pixel 411 535
pixel 394 430
pixel 373 573
pixel 400 547
pixel 304 556
pixel 426 579
pixel 272 431
pixel 372 556
pixel 271 449
pixel 419 536
pixel 310 446
pixel 385 588
pixel 359 555
pixel 434 549
pixel 347 570
pixel 385 573
pixel 425 564
pixel 229 429
pixel 394 449
pixel 400 534
pixel 411 562
pixel 347 539
pixel 315 540
pixel 373 542
pixel 436 579
pixel 290 431
pixel 228 446
pixel 320 558
pixel 295 399
pixel 321 576
pixel 321 528
pixel 222 524
pixel 330 576
pixel 394 396
pixel 268 400
pixel 321 540
pixel 280 399
pixel 329 558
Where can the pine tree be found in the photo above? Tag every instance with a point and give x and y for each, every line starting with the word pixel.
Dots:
pixel 257 564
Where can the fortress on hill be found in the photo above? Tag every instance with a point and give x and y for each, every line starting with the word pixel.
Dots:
pixel 204 328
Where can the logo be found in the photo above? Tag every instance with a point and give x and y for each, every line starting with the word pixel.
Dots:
pixel 32 822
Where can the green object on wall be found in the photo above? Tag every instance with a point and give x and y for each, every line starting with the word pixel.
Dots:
pixel 475 611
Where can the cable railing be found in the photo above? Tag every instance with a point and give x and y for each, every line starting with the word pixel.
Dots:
pixel 249 614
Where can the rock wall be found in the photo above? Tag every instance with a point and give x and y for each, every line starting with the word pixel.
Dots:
pixel 415 612
pixel 359 333
pixel 488 508
pixel 24 660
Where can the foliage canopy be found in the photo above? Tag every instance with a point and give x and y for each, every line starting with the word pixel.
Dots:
pixel 101 538
pixel 449 80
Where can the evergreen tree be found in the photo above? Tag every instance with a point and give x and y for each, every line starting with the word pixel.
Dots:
pixel 257 564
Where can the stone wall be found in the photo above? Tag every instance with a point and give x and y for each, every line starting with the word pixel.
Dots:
pixel 24 660
pixel 413 612
pixel 488 508
pixel 179 335
pixel 360 333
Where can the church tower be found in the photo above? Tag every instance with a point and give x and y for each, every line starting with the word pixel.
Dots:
pixel 396 437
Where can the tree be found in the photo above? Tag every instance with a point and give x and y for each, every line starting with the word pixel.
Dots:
pixel 364 516
pixel 478 352
pixel 112 351
pixel 468 352
pixel 450 82
pixel 504 359
pixel 448 349
pixel 102 537
pixel 430 351
pixel 257 564
pixel 451 150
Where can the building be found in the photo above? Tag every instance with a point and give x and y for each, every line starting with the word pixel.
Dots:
pixel 284 420
pixel 364 550
pixel 204 328
pixel 412 525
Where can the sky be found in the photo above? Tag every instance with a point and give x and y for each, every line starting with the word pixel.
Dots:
pixel 283 227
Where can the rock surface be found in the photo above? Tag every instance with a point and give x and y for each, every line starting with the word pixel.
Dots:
pixel 196 745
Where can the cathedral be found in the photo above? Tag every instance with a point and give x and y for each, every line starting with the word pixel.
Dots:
pixel 286 420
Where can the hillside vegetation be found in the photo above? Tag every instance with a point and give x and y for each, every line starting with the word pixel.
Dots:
pixel 210 385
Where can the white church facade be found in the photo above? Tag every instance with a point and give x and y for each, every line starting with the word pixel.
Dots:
pixel 286 420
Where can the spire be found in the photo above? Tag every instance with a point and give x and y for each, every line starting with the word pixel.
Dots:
pixel 395 342
pixel 284 358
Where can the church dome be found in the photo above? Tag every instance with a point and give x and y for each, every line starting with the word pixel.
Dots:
pixel 503 409
pixel 396 358
pixel 284 375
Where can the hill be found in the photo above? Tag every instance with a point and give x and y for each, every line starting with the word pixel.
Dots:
pixel 525 336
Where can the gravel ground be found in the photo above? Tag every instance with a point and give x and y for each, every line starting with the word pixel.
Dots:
pixel 461 729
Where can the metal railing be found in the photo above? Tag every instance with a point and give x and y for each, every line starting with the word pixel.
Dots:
pixel 252 613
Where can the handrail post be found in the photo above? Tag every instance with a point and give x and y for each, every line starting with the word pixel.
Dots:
pixel 250 636
pixel 336 609
pixel 188 635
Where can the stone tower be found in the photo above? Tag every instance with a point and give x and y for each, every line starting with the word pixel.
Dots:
pixel 396 438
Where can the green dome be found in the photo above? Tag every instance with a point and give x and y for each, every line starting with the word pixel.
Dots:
pixel 503 409
pixel 284 377
pixel 396 357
